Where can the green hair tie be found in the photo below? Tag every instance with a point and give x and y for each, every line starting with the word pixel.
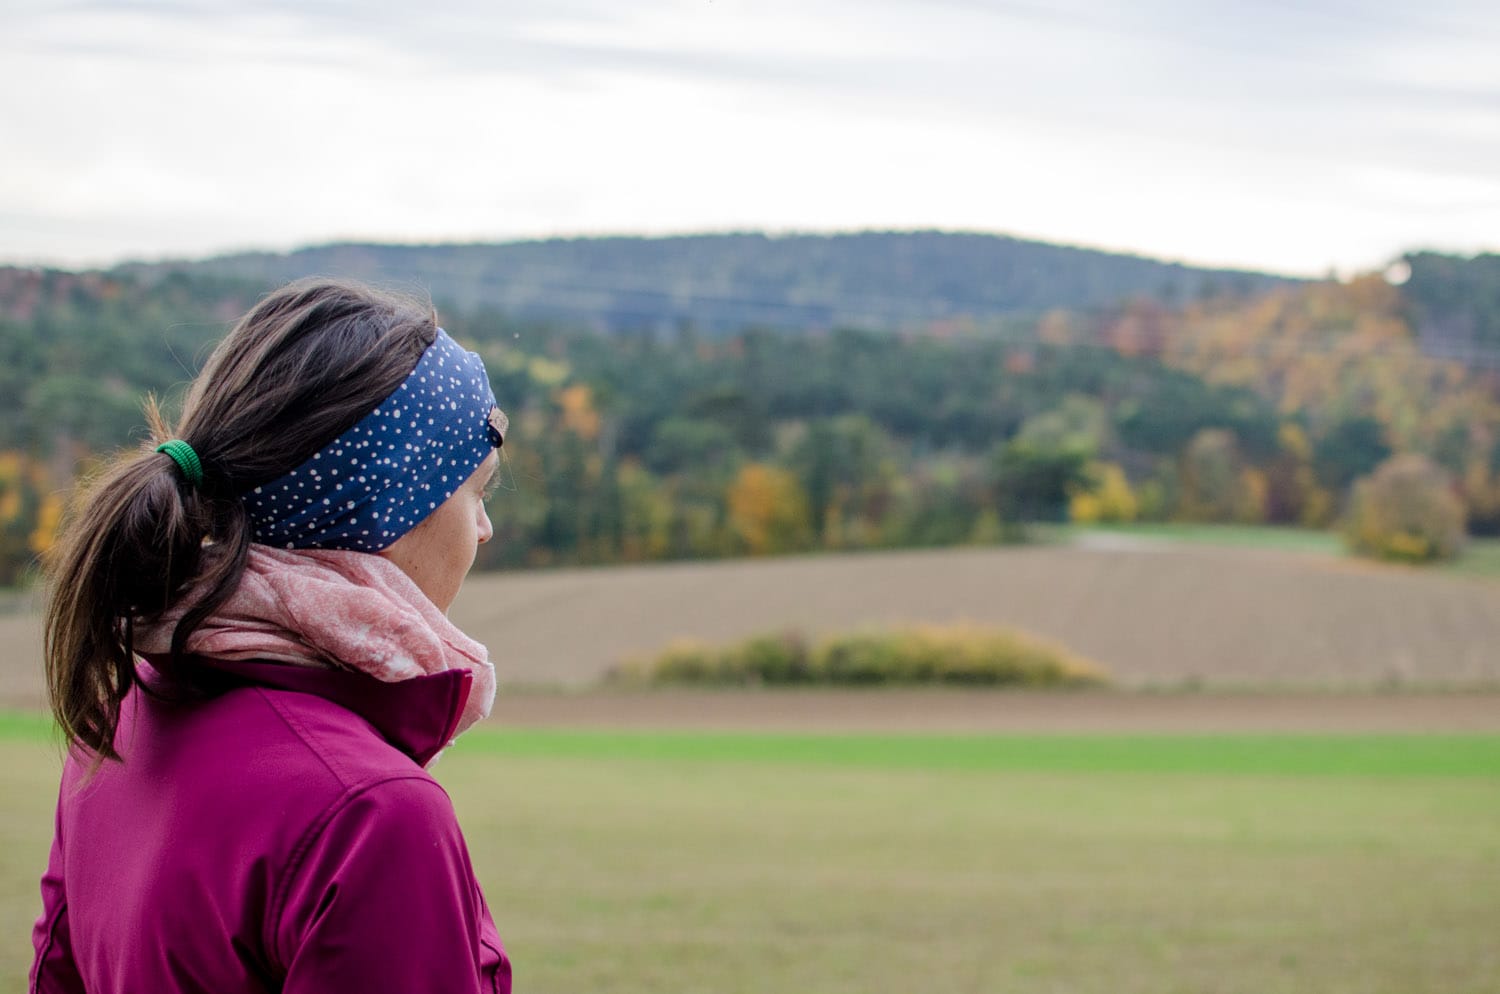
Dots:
pixel 186 459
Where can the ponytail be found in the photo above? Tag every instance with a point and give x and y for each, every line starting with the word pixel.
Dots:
pixel 140 539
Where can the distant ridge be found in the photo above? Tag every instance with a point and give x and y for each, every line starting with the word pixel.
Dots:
pixel 723 282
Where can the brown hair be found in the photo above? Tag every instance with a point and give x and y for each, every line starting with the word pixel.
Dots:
pixel 306 364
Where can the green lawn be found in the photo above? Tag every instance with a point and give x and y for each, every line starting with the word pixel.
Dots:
pixel 1238 536
pixel 744 862
pixel 1480 556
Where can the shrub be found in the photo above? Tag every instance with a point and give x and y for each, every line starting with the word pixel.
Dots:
pixel 769 659
pixel 961 655
pixel 861 660
pixel 686 662
pixel 1405 511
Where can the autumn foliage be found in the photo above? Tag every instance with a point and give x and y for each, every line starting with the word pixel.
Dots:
pixel 768 510
pixel 1405 511
pixel 30 511
pixel 670 443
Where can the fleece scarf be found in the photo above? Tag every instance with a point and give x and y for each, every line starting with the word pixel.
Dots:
pixel 332 607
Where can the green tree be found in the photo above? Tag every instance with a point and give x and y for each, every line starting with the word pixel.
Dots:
pixel 1351 448
pixel 838 462
pixel 1038 471
pixel 1216 484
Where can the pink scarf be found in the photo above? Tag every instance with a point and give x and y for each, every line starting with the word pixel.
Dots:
pixel 330 607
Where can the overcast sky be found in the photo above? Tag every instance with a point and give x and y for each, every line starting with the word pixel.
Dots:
pixel 1273 134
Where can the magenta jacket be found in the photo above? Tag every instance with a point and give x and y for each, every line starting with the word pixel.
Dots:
pixel 275 832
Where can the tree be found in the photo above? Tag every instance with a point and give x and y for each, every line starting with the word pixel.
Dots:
pixel 1110 500
pixel 690 445
pixel 1350 449
pixel 839 461
pixel 29 515
pixel 1038 471
pixel 1406 510
pixel 768 510
pixel 1294 495
pixel 1035 484
pixel 1215 483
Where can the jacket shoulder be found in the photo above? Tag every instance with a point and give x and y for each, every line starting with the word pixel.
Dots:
pixel 336 739
pixel 387 873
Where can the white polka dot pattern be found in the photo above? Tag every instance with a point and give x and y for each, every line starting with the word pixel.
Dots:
pixel 380 479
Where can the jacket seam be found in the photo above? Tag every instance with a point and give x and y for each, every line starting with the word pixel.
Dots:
pixel 304 736
pixel 304 845
pixel 41 959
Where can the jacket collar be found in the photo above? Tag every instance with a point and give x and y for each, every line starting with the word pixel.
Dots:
pixel 418 716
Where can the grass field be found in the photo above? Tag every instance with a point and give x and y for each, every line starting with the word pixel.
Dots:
pixel 697 862
pixel 1229 536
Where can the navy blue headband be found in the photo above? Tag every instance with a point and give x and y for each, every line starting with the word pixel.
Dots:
pixel 380 479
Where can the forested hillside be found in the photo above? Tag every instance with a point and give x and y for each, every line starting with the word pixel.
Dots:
pixel 1455 304
pixel 724 283
pixel 677 441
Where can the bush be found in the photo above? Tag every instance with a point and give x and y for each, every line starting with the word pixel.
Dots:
pixel 1405 511
pixel 687 662
pixel 962 655
pixel 769 659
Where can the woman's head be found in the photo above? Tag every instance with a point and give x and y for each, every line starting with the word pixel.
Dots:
pixel 438 553
pixel 312 363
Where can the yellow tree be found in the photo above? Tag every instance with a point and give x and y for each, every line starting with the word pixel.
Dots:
pixel 578 413
pixel 1111 500
pixel 768 510
pixel 29 514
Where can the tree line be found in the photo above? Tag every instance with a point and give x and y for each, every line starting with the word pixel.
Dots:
pixel 661 443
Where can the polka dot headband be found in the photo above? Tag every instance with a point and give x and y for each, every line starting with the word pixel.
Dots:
pixel 380 479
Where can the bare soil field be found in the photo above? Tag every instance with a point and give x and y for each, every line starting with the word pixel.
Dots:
pixel 1156 616
pixel 1162 616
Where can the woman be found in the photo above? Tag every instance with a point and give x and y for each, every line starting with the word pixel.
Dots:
pixel 248 648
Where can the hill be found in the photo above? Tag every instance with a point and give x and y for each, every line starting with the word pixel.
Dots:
pixel 1454 303
pixel 726 282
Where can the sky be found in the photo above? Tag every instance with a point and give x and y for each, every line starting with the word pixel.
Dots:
pixel 1294 137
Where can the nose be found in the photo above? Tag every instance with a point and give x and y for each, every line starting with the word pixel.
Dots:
pixel 486 530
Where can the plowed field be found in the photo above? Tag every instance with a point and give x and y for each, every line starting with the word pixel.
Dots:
pixel 1156 615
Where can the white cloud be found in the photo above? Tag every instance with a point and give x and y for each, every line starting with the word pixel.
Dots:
pixel 1293 137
